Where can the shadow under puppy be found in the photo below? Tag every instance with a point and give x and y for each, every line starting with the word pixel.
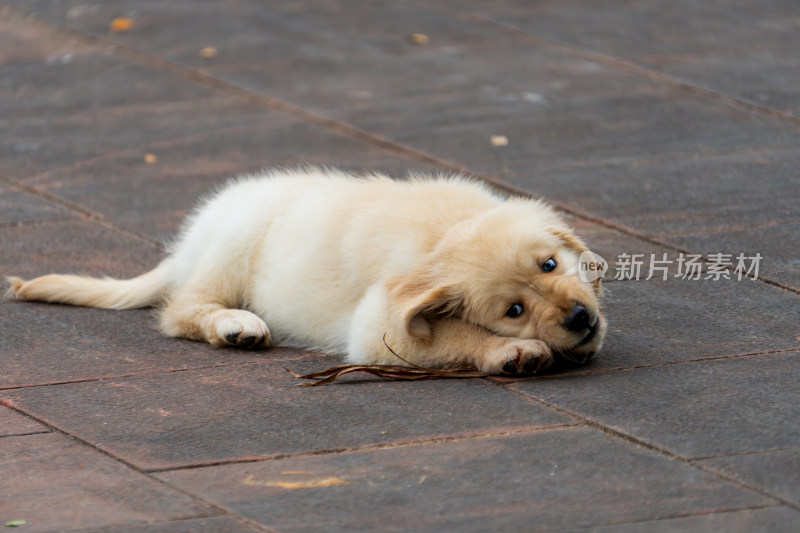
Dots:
pixel 448 272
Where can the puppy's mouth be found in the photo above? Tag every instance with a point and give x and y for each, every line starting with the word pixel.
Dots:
pixel 590 335
pixel 572 355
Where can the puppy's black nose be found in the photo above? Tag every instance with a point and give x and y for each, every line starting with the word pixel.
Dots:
pixel 577 319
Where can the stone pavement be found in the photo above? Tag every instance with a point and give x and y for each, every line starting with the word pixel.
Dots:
pixel 661 127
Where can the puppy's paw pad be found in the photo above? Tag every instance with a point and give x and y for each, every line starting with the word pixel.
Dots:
pixel 510 367
pixel 249 341
pixel 243 330
pixel 245 340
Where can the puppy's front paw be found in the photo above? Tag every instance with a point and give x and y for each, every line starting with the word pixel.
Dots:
pixel 243 329
pixel 520 356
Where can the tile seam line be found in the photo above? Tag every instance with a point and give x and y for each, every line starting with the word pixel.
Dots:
pixel 738 481
pixel 664 452
pixel 220 510
pixel 226 512
pixel 85 213
pixel 152 145
pixel 627 66
pixel 730 228
pixel 787 288
pixel 121 109
pixel 619 161
pixel 600 371
pixel 744 454
pixel 151 526
pixel 142 373
pixel 38 222
pixel 40 432
pixel 376 446
pixel 677 517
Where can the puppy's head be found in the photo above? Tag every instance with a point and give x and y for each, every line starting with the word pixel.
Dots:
pixel 513 271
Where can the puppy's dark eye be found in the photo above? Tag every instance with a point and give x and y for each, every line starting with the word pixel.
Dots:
pixel 514 311
pixel 549 265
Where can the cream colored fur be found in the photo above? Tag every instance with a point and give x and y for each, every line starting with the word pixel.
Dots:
pixel 321 259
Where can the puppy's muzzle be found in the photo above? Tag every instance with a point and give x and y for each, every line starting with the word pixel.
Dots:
pixel 578 319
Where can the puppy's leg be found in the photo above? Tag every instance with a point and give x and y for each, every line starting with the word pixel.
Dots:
pixel 199 316
pixel 452 343
pixel 473 345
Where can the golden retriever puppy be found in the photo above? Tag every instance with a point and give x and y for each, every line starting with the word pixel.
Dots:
pixel 448 273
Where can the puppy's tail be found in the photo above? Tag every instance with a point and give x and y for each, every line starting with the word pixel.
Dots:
pixel 143 291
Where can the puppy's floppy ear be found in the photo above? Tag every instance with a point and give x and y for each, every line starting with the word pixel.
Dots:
pixel 576 243
pixel 415 300
pixel 570 239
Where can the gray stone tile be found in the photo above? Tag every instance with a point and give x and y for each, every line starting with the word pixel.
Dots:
pixel 660 197
pixel 155 198
pixel 776 472
pixel 12 423
pixel 542 481
pixel 217 524
pixel 18 207
pixel 56 484
pixel 606 117
pixel 348 57
pixel 735 47
pixel 694 410
pixel 765 74
pixel 196 417
pixel 72 140
pixel 655 321
pixel 769 520
pixel 73 246
pixel 48 74
pixel 42 343
pixel 778 244
pixel 63 101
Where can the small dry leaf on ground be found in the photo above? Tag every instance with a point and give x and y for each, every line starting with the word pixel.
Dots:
pixel 121 24
pixel 208 52
pixel 499 140
pixel 418 38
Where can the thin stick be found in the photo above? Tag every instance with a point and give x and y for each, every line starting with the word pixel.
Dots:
pixel 411 372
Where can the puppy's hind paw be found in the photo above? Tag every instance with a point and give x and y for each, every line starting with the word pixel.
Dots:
pixel 245 340
pixel 241 329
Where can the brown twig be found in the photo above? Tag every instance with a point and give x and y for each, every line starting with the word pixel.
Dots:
pixel 412 372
